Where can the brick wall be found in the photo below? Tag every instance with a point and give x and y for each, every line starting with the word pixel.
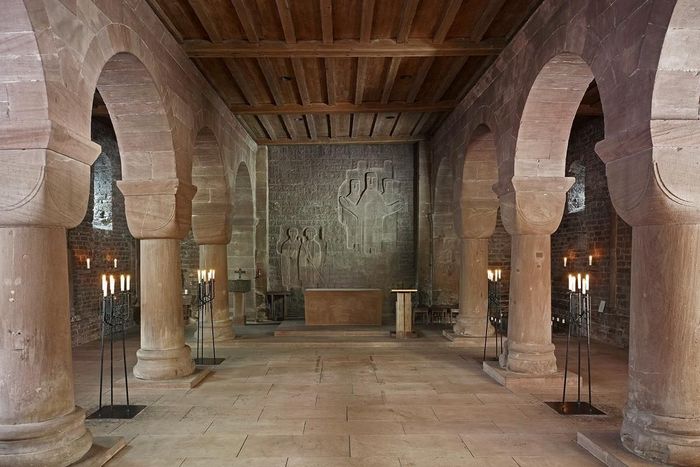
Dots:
pixel 102 236
pixel 597 231
pixel 304 183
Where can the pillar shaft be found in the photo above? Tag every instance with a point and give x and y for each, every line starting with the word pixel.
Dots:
pixel 39 422
pixel 473 288
pixel 239 308
pixel 530 348
pixel 662 416
pixel 163 353
pixel 215 257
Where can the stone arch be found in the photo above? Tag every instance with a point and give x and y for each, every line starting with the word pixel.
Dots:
pixel 241 249
pixel 445 265
pixel 550 108
pixel 211 222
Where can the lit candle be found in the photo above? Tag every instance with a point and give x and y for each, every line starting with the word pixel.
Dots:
pixel 213 274
pixel 187 292
pixel 104 285
pixel 584 286
pixel 590 260
pixel 128 282
pixel 579 281
pixel 115 263
pixel 588 283
pixel 499 274
pixel 122 281
pixel 111 284
pixel 88 263
pixel 199 275
pixel 565 260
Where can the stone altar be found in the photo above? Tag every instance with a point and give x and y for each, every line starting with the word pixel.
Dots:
pixel 343 306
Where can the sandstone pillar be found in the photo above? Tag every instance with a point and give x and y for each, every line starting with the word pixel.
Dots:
pixel 215 257
pixel 531 211
pixel 473 289
pixel 662 415
pixel 39 422
pixel 163 353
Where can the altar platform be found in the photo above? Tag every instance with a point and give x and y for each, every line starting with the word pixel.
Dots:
pixel 297 328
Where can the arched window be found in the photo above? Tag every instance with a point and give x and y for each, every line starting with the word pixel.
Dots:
pixel 102 181
pixel 576 199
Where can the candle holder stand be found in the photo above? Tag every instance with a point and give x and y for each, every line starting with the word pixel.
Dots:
pixel 496 316
pixel 205 301
pixel 578 319
pixel 116 314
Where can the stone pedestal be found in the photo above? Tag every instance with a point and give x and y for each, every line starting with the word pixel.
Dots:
pixel 214 257
pixel 662 416
pixel 404 312
pixel 530 348
pixel 473 289
pixel 39 422
pixel 163 353
pixel 239 308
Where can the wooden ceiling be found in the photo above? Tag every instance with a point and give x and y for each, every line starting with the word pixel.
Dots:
pixel 329 71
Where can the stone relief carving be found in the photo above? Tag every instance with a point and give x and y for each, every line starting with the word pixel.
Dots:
pixel 368 203
pixel 302 256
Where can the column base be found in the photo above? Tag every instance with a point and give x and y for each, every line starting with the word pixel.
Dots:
pixel 164 364
pixel 668 440
pixel 223 331
pixel 530 359
pixel 59 441
pixel 607 448
pixel 472 326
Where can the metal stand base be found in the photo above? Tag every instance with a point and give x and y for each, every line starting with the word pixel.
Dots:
pixel 117 411
pixel 574 408
pixel 208 361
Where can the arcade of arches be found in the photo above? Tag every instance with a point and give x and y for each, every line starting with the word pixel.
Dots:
pixel 317 154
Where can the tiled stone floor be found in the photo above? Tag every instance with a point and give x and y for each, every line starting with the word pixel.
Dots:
pixel 350 402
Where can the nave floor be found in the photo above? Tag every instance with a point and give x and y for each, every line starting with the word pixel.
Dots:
pixel 366 402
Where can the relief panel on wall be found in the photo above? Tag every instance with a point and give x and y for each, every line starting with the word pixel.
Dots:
pixel 302 256
pixel 368 204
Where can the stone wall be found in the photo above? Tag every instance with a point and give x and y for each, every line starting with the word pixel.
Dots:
pixel 598 231
pixel 342 216
pixel 102 236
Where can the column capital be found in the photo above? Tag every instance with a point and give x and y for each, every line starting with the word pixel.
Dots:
pixel 211 223
pixel 533 205
pixel 476 218
pixel 158 208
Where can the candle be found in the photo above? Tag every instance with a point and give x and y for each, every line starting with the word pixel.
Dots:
pixel 122 281
pixel 213 274
pixel 588 283
pixel 565 260
pixel 499 274
pixel 199 275
pixel 578 281
pixel 590 260
pixel 104 285
pixel 187 292
pixel 111 284
pixel 128 282
pixel 88 263
pixel 115 263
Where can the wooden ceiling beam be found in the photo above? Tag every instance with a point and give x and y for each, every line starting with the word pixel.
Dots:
pixel 244 84
pixel 311 126
pixel 206 19
pixel 285 15
pixel 343 140
pixel 329 65
pixel 408 12
pixel 165 19
pixel 448 78
pixel 360 80
pixel 343 107
pixel 487 16
pixel 267 126
pixel 327 21
pixel 300 77
pixel 367 20
pixel 341 49
pixel 447 19
pixel 246 19
pixel 390 78
pixel 419 79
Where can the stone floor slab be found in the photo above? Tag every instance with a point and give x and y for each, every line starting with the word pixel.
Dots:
pixel 607 447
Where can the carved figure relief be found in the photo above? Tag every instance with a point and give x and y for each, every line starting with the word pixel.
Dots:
pixel 368 202
pixel 302 255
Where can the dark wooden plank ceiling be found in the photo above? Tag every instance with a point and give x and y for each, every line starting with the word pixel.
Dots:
pixel 301 71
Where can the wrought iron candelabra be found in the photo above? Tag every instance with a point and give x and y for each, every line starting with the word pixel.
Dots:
pixel 494 314
pixel 579 327
pixel 115 316
pixel 206 285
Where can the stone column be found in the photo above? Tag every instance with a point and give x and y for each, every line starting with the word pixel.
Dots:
pixel 215 257
pixel 662 415
pixel 158 213
pixel 39 422
pixel 44 191
pixel 531 211
pixel 163 353
pixel 473 289
pixel 475 222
